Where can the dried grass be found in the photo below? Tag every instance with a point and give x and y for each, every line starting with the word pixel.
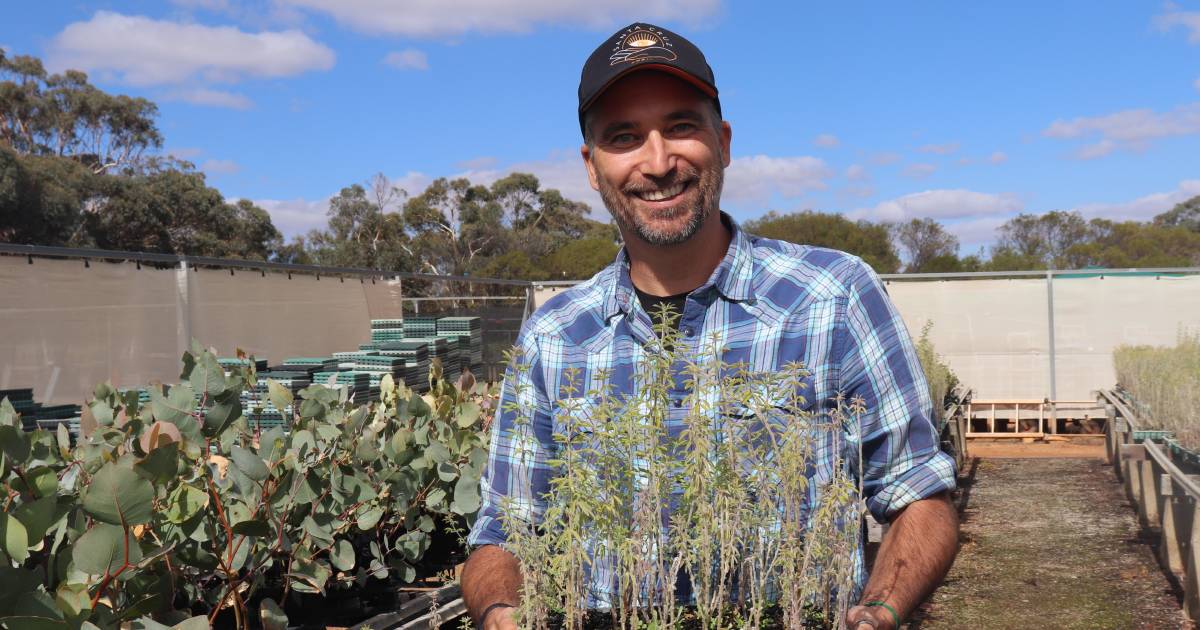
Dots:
pixel 1165 385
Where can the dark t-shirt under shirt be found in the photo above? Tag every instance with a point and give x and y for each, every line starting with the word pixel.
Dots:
pixel 653 305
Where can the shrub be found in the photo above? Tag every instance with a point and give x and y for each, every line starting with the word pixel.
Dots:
pixel 756 521
pixel 179 510
pixel 1165 385
pixel 943 382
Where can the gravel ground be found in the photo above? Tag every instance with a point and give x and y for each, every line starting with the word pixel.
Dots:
pixel 1051 543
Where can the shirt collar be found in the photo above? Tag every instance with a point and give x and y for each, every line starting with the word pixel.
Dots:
pixel 733 278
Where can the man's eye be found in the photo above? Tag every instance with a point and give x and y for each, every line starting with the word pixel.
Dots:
pixel 683 128
pixel 623 139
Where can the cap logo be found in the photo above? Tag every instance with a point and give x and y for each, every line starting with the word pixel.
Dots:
pixel 639 45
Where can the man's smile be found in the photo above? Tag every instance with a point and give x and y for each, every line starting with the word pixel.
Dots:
pixel 663 194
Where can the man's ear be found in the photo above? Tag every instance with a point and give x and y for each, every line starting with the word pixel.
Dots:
pixel 586 153
pixel 726 140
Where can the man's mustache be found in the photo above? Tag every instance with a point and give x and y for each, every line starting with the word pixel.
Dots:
pixel 680 177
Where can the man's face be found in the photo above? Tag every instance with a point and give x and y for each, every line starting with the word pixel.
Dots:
pixel 657 156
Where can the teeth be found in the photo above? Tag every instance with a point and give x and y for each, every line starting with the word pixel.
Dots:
pixel 659 195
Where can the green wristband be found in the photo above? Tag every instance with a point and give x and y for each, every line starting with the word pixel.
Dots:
pixel 895 617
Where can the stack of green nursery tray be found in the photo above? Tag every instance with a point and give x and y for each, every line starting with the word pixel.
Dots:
pixel 416 326
pixel 469 327
pixel 439 348
pixel 376 366
pixel 1152 435
pixel 22 402
pixel 359 383
pixel 416 361
pixel 346 360
pixel 266 416
pixel 49 417
pixel 307 365
pixel 387 329
pixel 456 358
pixel 231 363
pixel 1184 457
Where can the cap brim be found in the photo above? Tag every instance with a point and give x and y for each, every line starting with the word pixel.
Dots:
pixel 672 70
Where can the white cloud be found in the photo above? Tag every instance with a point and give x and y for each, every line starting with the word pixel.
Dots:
pixel 184 153
pixel 562 170
pixel 208 5
pixel 1095 150
pixel 919 171
pixel 942 204
pixel 757 178
pixel 885 158
pixel 145 51
pixel 209 97
pixel 408 59
pixel 939 149
pixel 1145 207
pixel 477 164
pixel 295 216
pixel 860 184
pixel 1132 129
pixel 826 141
pixel 998 157
pixel 976 232
pixel 448 18
pixel 1172 17
pixel 220 167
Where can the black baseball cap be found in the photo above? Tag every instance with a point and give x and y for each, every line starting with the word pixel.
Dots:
pixel 642 46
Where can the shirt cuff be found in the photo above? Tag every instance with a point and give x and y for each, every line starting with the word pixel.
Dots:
pixel 487 530
pixel 932 476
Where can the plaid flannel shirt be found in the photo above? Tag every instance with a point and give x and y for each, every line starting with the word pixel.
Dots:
pixel 770 303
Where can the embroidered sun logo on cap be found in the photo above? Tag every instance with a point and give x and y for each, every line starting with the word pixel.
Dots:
pixel 640 44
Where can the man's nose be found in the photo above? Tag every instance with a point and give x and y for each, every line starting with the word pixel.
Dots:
pixel 658 160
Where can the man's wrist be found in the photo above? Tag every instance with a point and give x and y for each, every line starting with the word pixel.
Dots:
pixel 501 606
pixel 884 611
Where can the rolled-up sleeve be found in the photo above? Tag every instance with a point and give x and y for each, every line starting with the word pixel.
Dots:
pixel 517 476
pixel 901 458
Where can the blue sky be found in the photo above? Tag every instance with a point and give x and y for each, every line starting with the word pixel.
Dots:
pixel 965 112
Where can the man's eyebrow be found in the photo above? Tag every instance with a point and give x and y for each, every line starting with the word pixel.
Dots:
pixel 613 128
pixel 685 114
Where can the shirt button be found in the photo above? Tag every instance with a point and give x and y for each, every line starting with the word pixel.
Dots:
pixel 688 331
pixel 678 402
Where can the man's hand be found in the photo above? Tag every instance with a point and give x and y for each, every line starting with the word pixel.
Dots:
pixel 501 618
pixel 491 584
pixel 868 618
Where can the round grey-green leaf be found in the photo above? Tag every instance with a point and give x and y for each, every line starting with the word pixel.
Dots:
pixel 466 496
pixel 185 502
pixel 435 498
pixel 14 536
pixel 342 555
pixel 253 527
pixel 437 453
pixel 102 548
pixel 369 519
pixel 118 495
pixel 468 414
pixel 272 616
pixel 447 471
pixel 249 463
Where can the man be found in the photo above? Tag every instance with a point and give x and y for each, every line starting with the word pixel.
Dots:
pixel 655 147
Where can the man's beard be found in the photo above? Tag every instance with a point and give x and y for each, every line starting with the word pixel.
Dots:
pixel 708 186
